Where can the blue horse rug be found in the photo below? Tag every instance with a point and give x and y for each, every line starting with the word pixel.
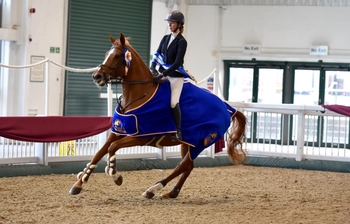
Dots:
pixel 205 117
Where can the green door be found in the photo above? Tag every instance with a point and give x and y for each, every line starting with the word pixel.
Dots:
pixel 89 24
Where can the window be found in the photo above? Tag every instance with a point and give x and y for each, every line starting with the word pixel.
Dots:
pixel 302 83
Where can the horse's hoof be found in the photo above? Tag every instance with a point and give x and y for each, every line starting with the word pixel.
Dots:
pixel 148 194
pixel 166 196
pixel 119 180
pixel 75 190
pixel 172 194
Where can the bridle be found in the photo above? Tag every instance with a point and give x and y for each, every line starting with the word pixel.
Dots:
pixel 120 79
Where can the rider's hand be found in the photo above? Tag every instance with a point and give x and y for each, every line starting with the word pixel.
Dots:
pixel 153 71
pixel 158 77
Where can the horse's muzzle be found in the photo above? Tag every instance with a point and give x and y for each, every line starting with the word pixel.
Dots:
pixel 97 77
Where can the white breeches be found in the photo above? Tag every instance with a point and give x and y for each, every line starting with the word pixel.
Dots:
pixel 176 84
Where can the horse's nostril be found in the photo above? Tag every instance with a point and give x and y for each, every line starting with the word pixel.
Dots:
pixel 97 77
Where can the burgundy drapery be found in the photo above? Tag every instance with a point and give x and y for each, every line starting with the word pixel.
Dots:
pixel 340 109
pixel 219 145
pixel 52 128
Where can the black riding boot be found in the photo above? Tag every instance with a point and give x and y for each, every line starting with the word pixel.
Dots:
pixel 177 116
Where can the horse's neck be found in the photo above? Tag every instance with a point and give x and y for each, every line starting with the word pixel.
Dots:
pixel 135 95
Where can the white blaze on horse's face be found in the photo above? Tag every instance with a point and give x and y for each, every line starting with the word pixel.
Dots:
pixel 108 54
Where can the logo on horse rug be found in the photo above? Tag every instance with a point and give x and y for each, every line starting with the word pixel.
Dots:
pixel 205 117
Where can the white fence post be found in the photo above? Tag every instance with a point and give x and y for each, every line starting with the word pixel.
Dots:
pixel 216 83
pixel 161 153
pixel 110 100
pixel 300 135
pixel 41 153
pixel 102 138
pixel 47 71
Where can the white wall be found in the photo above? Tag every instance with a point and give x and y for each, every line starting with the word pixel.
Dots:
pixel 45 35
pixel 46 27
pixel 283 33
pixel 12 82
pixel 203 37
pixel 287 29
pixel 213 33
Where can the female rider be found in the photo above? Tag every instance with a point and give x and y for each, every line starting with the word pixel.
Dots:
pixel 169 58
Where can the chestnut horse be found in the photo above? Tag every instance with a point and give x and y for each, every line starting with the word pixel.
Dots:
pixel 122 64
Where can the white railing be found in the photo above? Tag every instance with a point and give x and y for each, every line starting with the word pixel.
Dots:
pixel 18 152
pixel 296 131
pixel 284 131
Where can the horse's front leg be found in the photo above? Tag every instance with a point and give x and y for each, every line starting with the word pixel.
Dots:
pixel 84 176
pixel 111 168
pixel 184 167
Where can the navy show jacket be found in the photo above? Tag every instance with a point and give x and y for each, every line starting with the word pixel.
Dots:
pixel 173 55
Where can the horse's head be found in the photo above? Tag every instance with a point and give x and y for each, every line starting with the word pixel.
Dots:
pixel 116 63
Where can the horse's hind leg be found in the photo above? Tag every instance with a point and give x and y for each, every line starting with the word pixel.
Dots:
pixel 185 168
pixel 83 176
pixel 188 169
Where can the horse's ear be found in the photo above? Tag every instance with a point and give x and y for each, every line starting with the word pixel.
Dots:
pixel 111 38
pixel 122 39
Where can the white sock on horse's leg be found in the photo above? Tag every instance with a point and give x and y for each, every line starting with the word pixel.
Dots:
pixel 155 188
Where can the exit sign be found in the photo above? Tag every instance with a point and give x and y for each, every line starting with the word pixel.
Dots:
pixel 55 50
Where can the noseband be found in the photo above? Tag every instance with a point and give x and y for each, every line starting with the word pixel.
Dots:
pixel 120 79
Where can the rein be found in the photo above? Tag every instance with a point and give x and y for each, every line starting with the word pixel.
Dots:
pixel 119 100
pixel 120 79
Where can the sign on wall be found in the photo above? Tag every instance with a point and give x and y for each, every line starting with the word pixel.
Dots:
pixel 319 50
pixel 37 72
pixel 251 49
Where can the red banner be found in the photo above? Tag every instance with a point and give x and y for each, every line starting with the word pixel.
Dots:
pixel 52 128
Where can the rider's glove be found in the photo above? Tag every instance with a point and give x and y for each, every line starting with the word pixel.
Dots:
pixel 158 77
pixel 153 71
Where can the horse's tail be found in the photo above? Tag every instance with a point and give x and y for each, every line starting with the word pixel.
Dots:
pixel 236 138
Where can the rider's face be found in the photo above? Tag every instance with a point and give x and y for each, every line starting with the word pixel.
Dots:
pixel 173 25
